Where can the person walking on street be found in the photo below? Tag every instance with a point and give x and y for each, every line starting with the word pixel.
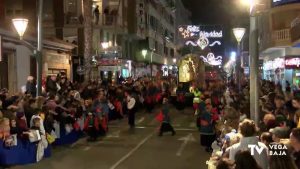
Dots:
pixel 131 107
pixel 166 125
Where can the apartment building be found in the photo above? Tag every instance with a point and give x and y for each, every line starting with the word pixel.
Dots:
pixel 16 57
pixel 278 48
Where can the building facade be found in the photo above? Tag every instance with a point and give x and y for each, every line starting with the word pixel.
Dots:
pixel 16 57
pixel 278 49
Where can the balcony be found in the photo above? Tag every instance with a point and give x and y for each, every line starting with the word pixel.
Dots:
pixel 295 33
pixel 282 37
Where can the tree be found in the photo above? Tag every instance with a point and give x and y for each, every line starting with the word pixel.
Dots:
pixel 88 34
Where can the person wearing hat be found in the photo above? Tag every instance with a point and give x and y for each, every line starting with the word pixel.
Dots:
pixel 279 133
pixel 166 125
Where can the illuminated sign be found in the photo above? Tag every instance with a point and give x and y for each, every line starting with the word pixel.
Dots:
pixel 212 60
pixel 283 2
pixel 274 64
pixel 165 70
pixel 205 36
pixel 292 62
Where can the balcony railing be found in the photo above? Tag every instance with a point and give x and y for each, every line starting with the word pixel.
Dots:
pixel 282 37
pixel 104 20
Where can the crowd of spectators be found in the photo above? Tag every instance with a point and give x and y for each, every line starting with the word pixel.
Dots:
pixel 65 107
pixel 240 143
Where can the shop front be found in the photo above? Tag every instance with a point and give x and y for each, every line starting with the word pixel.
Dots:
pixel 274 70
pixel 292 67
pixel 110 69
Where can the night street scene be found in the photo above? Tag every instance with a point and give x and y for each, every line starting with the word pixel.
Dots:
pixel 149 84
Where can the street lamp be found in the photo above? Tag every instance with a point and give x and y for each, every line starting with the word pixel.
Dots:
pixel 174 60
pixel 105 45
pixel 144 53
pixel 21 25
pixel 239 34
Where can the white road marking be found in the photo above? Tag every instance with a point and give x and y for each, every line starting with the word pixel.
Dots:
pixel 132 151
pixel 185 140
pixel 115 134
pixel 86 148
pixel 80 141
pixel 141 120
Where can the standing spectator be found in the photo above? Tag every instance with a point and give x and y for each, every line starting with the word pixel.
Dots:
pixel 266 138
pixel 131 109
pixel 31 86
pixel 248 131
pixel 295 143
pixel 51 86
pixel 279 104
pixel 244 160
pixel 96 14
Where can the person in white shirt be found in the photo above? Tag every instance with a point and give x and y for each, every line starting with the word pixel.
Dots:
pixel 248 130
pixel 131 107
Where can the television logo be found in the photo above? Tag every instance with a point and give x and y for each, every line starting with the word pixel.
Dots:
pixel 274 149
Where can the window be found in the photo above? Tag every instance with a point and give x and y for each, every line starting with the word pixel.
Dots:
pixel 141 5
pixel 172 52
pixel 166 51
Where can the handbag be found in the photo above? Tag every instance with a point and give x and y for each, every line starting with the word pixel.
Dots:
pixel 50 138
pixel 160 117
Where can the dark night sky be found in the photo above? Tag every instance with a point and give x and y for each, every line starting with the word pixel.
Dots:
pixel 218 12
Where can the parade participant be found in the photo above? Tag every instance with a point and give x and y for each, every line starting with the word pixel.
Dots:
pixel 91 126
pixel 196 100
pixel 180 94
pixel 166 125
pixel 207 132
pixel 131 103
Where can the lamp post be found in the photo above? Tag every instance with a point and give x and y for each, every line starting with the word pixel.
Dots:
pixel 254 59
pixel 239 34
pixel 20 25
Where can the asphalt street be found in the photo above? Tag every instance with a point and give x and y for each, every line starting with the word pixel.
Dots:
pixel 140 148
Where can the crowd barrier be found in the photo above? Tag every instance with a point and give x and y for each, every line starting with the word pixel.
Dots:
pixel 25 151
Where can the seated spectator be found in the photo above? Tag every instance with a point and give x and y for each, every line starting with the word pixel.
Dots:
pixel 295 143
pixel 248 131
pixel 244 160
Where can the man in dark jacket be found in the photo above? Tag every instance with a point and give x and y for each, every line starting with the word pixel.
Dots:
pixel 51 86
pixel 31 86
